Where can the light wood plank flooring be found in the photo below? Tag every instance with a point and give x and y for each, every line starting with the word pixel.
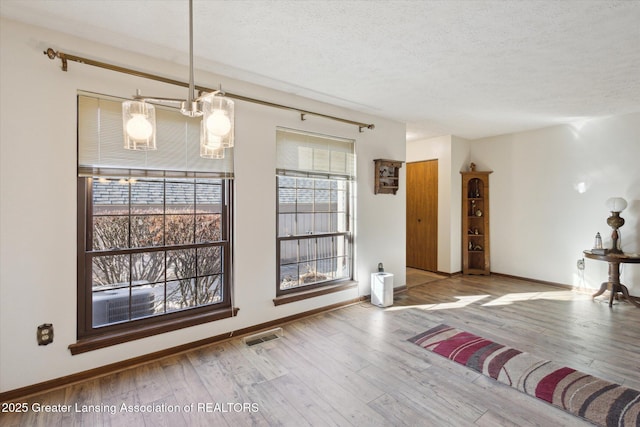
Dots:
pixel 353 366
pixel 417 277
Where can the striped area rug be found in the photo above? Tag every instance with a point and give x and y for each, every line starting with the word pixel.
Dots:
pixel 601 402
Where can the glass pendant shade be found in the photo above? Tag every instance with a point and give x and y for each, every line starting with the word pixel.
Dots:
pixel 616 204
pixel 218 120
pixel 211 148
pixel 139 125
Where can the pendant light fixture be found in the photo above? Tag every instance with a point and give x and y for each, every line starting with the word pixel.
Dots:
pixel 139 125
pixel 216 130
pixel 217 112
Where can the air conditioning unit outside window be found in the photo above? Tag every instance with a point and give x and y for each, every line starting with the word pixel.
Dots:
pixel 113 305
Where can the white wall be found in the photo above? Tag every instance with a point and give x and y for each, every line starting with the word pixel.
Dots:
pixel 540 220
pixel 38 200
pixel 460 159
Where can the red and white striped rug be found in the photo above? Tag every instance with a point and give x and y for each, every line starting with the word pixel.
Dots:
pixel 601 402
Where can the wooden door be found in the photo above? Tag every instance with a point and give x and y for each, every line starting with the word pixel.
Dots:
pixel 422 215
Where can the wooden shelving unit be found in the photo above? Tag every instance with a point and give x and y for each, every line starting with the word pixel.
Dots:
pixel 475 223
pixel 387 179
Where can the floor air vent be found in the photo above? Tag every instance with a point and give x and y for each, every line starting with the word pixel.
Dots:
pixel 264 336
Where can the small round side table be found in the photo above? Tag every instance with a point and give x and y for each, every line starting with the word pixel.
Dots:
pixel 613 283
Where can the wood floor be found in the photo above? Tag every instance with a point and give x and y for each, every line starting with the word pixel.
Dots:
pixel 354 367
pixel 417 277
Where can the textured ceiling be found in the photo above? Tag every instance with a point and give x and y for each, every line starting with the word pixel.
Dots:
pixel 468 68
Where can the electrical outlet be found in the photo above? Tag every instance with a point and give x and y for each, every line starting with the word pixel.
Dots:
pixel 580 264
pixel 45 334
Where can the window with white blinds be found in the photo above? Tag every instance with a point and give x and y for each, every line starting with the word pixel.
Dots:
pixel 154 229
pixel 101 146
pixel 314 238
pixel 314 154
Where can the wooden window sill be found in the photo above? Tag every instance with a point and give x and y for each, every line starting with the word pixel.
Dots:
pixel 107 339
pixel 315 292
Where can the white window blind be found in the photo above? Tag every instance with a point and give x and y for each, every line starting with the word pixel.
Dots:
pixel 310 153
pixel 101 147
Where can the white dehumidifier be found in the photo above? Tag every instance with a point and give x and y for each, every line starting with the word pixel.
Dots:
pixel 382 289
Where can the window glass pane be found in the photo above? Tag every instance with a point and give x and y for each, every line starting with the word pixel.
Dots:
pixel 143 301
pixel 181 264
pixel 110 271
pixel 323 183
pixel 309 274
pixel 179 229
pixel 307 249
pixel 326 247
pixel 287 200
pixel 208 228
pixel 110 196
pixel 288 276
pixel 286 181
pixel 304 223
pixel 208 198
pixel 341 224
pixel 321 259
pixel 110 232
pixel 288 251
pixel 304 183
pixel 147 230
pixel 343 270
pixel 209 289
pixel 327 268
pixel 341 247
pixel 181 294
pixel 322 200
pixel 304 198
pixel 147 267
pixel 179 197
pixel 321 222
pixel 336 200
pixel 147 197
pixel 158 293
pixel 286 224
pixel 333 223
pixel 209 260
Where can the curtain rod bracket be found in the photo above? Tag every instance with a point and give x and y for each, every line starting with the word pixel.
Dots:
pixel 52 54
pixel 371 126
pixel 302 118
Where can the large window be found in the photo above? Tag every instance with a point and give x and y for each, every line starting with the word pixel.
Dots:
pixel 315 236
pixel 154 244
pixel 154 247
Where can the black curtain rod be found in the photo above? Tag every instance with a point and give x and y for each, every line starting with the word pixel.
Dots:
pixel 64 57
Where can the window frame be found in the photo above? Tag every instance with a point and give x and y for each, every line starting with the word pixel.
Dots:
pixel 289 295
pixel 90 337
